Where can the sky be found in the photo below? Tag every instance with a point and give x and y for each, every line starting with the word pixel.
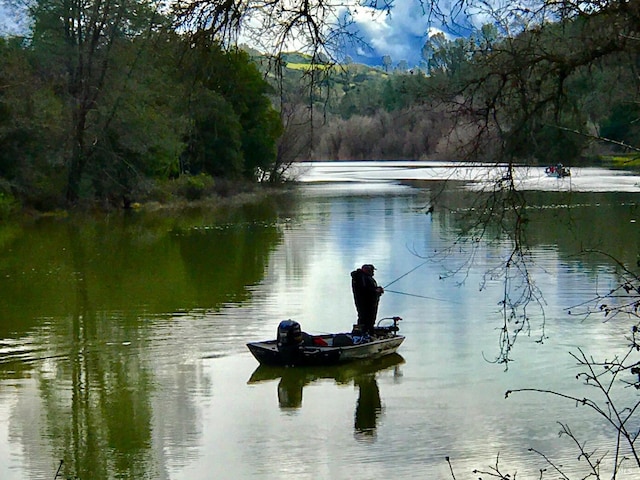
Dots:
pixel 401 33
pixel 9 19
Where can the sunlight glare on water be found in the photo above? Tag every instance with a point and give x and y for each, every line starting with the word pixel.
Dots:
pixel 475 175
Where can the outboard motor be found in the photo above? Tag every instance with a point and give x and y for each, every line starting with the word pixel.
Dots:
pixel 289 339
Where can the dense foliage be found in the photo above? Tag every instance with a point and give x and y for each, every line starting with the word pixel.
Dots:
pixel 104 101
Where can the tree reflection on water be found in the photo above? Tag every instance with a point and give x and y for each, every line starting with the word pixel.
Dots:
pixel 85 307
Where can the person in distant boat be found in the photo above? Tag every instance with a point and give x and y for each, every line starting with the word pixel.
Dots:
pixel 366 295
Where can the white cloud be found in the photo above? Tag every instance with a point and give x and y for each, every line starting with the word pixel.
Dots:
pixel 13 19
pixel 399 33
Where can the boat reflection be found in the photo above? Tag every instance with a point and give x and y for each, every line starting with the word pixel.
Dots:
pixel 362 373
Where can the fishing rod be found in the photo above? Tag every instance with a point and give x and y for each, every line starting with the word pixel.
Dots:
pixel 419 296
pixel 404 275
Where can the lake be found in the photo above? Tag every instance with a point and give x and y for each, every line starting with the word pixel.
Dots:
pixel 122 342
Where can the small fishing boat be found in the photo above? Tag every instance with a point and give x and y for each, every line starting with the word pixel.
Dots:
pixel 293 347
pixel 559 171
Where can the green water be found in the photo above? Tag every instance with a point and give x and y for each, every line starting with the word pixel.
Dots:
pixel 122 338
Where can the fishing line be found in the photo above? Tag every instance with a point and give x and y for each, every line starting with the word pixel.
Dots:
pixel 402 276
pixel 420 296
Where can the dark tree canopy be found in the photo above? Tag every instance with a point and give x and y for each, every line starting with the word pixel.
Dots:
pixel 96 112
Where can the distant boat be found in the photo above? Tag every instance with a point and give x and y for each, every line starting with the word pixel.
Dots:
pixel 558 171
pixel 296 348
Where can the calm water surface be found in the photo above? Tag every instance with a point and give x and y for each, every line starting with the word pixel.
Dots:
pixel 122 341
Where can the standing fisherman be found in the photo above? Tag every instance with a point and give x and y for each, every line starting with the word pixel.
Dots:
pixel 366 295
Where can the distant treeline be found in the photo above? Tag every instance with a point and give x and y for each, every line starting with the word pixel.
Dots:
pixel 559 91
pixel 355 112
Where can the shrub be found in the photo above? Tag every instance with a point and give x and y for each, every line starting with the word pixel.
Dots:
pixel 8 205
pixel 195 187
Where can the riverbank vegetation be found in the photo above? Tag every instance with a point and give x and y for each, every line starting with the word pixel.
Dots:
pixel 107 103
pixel 100 103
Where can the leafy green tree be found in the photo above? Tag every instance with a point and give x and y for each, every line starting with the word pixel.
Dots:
pixel 390 95
pixel 214 142
pixel 405 90
pixel 244 116
pixel 142 133
pixel 447 57
pixel 364 97
pixel 261 125
pixel 622 124
pixel 76 43
pixel 32 138
pixel 106 97
pixel 387 62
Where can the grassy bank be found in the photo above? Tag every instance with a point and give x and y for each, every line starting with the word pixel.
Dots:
pixel 624 160
pixel 185 192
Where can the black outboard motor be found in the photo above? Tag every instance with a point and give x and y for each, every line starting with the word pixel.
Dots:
pixel 289 341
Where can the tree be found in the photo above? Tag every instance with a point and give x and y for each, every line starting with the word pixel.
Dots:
pixel 622 124
pixel 31 135
pixel 77 43
pixel 142 132
pixel 214 143
pixel 261 125
pixel 387 62
pixel 235 126
pixel 106 97
pixel 448 57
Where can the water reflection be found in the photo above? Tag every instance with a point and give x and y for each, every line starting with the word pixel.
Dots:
pixel 87 306
pixel 122 341
pixel 362 374
pixel 369 406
